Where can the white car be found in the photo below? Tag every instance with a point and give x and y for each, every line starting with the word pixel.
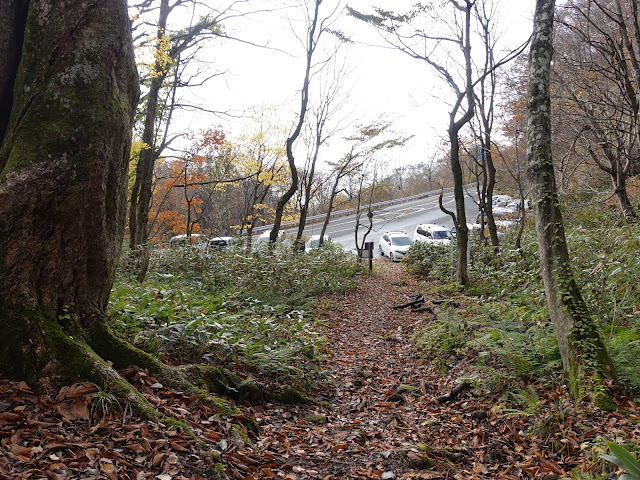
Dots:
pixel 266 236
pixel 220 242
pixel 430 232
pixel 314 241
pixel 501 198
pixel 394 245
pixel 195 239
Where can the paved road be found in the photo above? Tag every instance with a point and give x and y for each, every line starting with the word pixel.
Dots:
pixel 401 217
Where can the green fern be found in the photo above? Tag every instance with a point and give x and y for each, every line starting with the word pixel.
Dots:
pixel 527 399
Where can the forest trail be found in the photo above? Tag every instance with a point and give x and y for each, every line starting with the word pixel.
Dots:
pixel 382 412
pixel 382 420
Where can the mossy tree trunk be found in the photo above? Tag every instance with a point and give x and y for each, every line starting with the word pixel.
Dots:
pixel 64 161
pixel 64 158
pixel 584 356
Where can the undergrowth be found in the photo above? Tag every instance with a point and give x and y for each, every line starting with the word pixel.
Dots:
pixel 251 308
pixel 511 331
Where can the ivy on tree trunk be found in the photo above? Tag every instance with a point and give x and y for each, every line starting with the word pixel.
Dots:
pixel 584 356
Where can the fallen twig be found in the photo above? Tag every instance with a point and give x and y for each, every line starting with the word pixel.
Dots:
pixel 418 301
pixel 453 394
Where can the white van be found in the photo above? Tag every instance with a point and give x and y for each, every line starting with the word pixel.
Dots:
pixel 430 232
pixel 195 239
pixel 266 235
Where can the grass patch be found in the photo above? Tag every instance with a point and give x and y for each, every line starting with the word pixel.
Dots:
pixel 253 310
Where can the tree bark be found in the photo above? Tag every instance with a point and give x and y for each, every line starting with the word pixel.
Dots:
pixel 332 197
pixel 584 356
pixel 64 158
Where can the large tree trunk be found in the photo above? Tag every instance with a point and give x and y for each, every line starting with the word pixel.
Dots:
pixel 64 161
pixel 584 356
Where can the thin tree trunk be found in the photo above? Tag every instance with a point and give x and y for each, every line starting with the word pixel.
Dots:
pixel 460 221
pixel 620 184
pixel 304 211
pixel 584 356
pixel 304 102
pixel 462 232
pixel 142 191
pixel 491 182
pixel 332 198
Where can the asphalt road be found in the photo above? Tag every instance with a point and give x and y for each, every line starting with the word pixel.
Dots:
pixel 400 217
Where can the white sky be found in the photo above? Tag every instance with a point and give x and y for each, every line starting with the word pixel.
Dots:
pixel 383 81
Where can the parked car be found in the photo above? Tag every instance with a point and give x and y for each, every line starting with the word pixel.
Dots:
pixel 264 236
pixel 495 199
pixel 221 242
pixel 394 245
pixel 314 241
pixel 196 239
pixel 430 232
pixel 497 215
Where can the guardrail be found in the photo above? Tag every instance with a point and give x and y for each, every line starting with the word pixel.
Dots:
pixel 352 210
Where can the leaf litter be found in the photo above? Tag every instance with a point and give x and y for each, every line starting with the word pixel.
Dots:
pixel 380 412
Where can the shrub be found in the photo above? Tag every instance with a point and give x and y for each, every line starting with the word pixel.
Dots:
pixel 426 258
pixel 251 307
pixel 604 257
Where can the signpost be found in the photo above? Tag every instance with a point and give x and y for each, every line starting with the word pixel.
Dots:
pixel 367 252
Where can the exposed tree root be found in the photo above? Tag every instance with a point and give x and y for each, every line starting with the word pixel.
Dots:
pixel 203 382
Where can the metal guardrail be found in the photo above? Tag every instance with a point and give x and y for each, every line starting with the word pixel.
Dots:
pixel 351 210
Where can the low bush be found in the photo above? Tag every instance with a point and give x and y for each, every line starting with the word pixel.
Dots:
pixel 426 258
pixel 249 307
pixel 513 325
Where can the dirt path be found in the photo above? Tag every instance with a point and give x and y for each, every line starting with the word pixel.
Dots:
pixel 376 416
pixel 381 401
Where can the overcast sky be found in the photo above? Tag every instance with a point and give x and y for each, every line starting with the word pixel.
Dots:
pixel 382 81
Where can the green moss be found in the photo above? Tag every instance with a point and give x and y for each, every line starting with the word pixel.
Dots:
pixel 292 396
pixel 121 353
pixel 576 387
pixel 241 433
pixel 408 389
pixel 223 382
pixel 171 422
pixel 225 409
pixel 219 471
pixel 315 418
